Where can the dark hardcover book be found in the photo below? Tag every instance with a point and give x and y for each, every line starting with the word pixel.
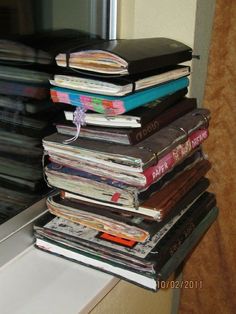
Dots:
pixel 134 135
pixel 148 111
pixel 126 56
pixel 144 272
pixel 187 246
pixel 140 156
pixel 182 229
pixel 165 199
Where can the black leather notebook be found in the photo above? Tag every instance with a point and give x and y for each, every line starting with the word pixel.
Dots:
pixel 125 56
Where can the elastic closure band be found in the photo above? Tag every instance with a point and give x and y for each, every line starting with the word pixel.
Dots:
pixel 154 154
pixel 204 118
pixel 181 129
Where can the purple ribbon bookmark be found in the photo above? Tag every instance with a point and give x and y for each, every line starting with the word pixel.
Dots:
pixel 78 120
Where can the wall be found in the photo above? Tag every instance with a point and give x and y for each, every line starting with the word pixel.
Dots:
pixel 202 37
pixel 214 260
pixel 156 18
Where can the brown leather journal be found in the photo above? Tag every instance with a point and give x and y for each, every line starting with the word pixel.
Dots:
pixel 165 199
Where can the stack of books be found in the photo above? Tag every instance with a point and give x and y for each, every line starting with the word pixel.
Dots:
pixel 27 113
pixel 26 116
pixel 130 170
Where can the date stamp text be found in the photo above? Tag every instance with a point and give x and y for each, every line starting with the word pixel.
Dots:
pixel 180 284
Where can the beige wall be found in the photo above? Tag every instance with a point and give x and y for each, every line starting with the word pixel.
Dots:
pixel 156 18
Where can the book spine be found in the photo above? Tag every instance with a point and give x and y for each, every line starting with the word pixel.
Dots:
pixel 188 245
pixel 114 106
pixel 97 222
pixel 163 105
pixel 139 134
pixel 92 102
pixel 18 89
pixel 166 199
pixel 183 229
pixel 166 163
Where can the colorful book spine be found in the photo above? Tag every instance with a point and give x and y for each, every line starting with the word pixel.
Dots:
pixel 166 163
pixel 112 105
pixel 18 89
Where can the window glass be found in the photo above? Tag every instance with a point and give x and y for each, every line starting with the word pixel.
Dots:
pixel 30 33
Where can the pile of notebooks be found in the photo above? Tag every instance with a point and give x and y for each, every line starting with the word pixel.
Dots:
pixel 26 116
pixel 127 161
pixel 26 113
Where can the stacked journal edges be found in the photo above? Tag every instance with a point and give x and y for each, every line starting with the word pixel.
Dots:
pixel 133 197
pixel 26 115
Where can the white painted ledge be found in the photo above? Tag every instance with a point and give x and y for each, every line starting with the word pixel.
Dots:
pixel 37 282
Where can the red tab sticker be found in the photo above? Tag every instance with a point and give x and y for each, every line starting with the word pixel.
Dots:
pixel 118 240
pixel 115 197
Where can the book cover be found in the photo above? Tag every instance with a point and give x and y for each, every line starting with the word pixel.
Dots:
pixel 139 198
pixel 112 105
pixel 134 158
pixel 136 117
pixel 59 170
pixel 127 225
pixel 119 86
pixel 191 226
pixel 126 56
pixel 134 135
pixel 115 192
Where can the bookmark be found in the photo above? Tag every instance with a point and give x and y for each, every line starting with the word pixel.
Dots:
pixel 78 120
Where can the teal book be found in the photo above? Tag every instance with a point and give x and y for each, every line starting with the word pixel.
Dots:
pixel 112 105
